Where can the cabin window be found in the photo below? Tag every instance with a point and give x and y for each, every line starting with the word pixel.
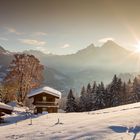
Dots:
pixel 50 99
pixel 44 98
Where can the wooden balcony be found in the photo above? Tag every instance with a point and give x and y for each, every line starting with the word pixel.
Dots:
pixel 45 104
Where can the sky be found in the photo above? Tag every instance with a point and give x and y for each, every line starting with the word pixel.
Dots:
pixel 66 26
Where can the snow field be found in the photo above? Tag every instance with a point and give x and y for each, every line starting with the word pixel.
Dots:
pixel 118 123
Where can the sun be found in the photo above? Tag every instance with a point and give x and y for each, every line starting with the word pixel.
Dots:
pixel 137 47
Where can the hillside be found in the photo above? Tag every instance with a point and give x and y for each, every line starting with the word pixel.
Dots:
pixel 5 57
pixel 118 123
pixel 57 80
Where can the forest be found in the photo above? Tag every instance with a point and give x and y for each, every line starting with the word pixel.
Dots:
pixel 99 96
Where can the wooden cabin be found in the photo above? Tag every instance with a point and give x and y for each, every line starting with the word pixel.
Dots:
pixel 45 99
pixel 5 109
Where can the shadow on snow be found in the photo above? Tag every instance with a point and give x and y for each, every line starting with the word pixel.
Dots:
pixel 20 117
pixel 122 129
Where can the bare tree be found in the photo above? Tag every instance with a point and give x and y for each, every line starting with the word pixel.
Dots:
pixel 27 72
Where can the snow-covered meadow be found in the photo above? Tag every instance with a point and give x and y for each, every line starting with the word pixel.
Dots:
pixel 118 123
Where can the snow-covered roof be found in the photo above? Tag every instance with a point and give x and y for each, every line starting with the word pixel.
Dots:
pixel 47 90
pixel 5 106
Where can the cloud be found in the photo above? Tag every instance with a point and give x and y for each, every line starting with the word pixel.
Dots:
pixel 14 31
pixel 39 45
pixel 103 40
pixel 65 46
pixel 42 49
pixel 39 34
pixel 33 42
pixel 3 38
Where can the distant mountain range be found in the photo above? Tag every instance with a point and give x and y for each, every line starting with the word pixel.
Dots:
pixel 87 65
pixel 110 56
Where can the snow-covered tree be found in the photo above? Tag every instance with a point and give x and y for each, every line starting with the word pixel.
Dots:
pixel 129 81
pixel 94 87
pixel 136 89
pixel 124 96
pixel 115 91
pixel 71 105
pixel 100 97
pixel 82 100
pixel 89 88
pixel 86 102
pixel 89 98
pixel 130 93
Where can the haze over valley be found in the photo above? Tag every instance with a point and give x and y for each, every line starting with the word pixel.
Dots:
pixel 87 65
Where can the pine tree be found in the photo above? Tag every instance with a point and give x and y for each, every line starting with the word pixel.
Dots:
pixel 119 94
pixel 130 92
pixel 129 81
pixel 100 97
pixel 94 87
pixel 88 98
pixel 136 89
pixel 71 105
pixel 112 91
pixel 124 96
pixel 93 95
pixel 82 101
pixel 109 96
pixel 88 88
pixel 115 91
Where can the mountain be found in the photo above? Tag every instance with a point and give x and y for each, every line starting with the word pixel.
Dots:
pixel 109 56
pixel 87 65
pixel 92 63
pixel 2 50
pixel 5 56
pixel 5 59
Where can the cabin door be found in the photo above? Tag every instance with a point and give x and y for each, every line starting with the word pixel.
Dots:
pixel 52 110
